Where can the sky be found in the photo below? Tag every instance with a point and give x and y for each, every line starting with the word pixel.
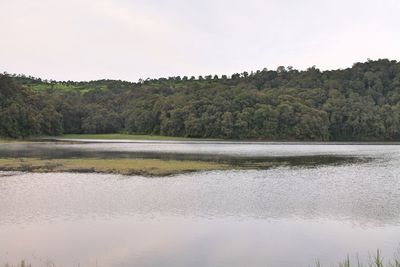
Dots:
pixel 131 39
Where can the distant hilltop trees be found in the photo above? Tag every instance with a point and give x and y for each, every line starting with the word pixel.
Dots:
pixel 358 103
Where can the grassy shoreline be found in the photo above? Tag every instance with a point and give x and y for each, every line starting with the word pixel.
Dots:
pixel 125 137
pixel 139 137
pixel 111 137
pixel 7 140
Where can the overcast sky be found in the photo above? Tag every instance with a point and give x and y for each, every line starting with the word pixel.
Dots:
pixel 121 39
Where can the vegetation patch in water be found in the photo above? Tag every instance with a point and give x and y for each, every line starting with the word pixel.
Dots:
pixel 158 165
pixel 146 167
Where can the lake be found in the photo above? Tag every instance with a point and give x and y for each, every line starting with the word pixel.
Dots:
pixel 329 201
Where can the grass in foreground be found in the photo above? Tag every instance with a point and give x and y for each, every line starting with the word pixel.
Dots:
pixel 145 167
pixel 375 261
pixel 121 137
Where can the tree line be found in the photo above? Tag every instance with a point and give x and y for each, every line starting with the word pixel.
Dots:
pixel 357 103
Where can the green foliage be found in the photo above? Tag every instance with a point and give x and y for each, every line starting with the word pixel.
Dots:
pixel 358 103
pixel 24 113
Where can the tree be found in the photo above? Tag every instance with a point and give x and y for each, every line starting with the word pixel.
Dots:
pixel 358 103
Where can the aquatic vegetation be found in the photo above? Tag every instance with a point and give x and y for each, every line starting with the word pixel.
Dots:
pixel 160 165
pixel 145 167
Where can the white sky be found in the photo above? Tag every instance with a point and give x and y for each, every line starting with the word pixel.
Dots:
pixel 121 39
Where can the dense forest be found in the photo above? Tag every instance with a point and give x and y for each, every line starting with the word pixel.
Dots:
pixel 357 103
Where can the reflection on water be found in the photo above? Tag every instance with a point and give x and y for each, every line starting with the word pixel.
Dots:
pixel 240 154
pixel 286 216
pixel 228 149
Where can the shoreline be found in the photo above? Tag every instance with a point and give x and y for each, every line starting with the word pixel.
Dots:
pixel 132 138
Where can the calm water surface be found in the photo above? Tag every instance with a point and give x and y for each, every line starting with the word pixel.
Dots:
pixel 284 216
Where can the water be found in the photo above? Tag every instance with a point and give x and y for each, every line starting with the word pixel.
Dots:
pixel 284 216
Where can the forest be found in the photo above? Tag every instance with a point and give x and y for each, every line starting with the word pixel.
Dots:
pixel 360 103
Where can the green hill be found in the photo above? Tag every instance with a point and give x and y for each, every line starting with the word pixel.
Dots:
pixel 357 103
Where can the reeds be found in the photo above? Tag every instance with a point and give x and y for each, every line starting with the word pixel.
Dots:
pixel 376 260
pixel 22 264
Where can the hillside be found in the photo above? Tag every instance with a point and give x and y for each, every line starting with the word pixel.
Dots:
pixel 358 103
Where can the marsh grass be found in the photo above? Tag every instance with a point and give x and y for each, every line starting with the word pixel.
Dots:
pixel 152 165
pixel 137 166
